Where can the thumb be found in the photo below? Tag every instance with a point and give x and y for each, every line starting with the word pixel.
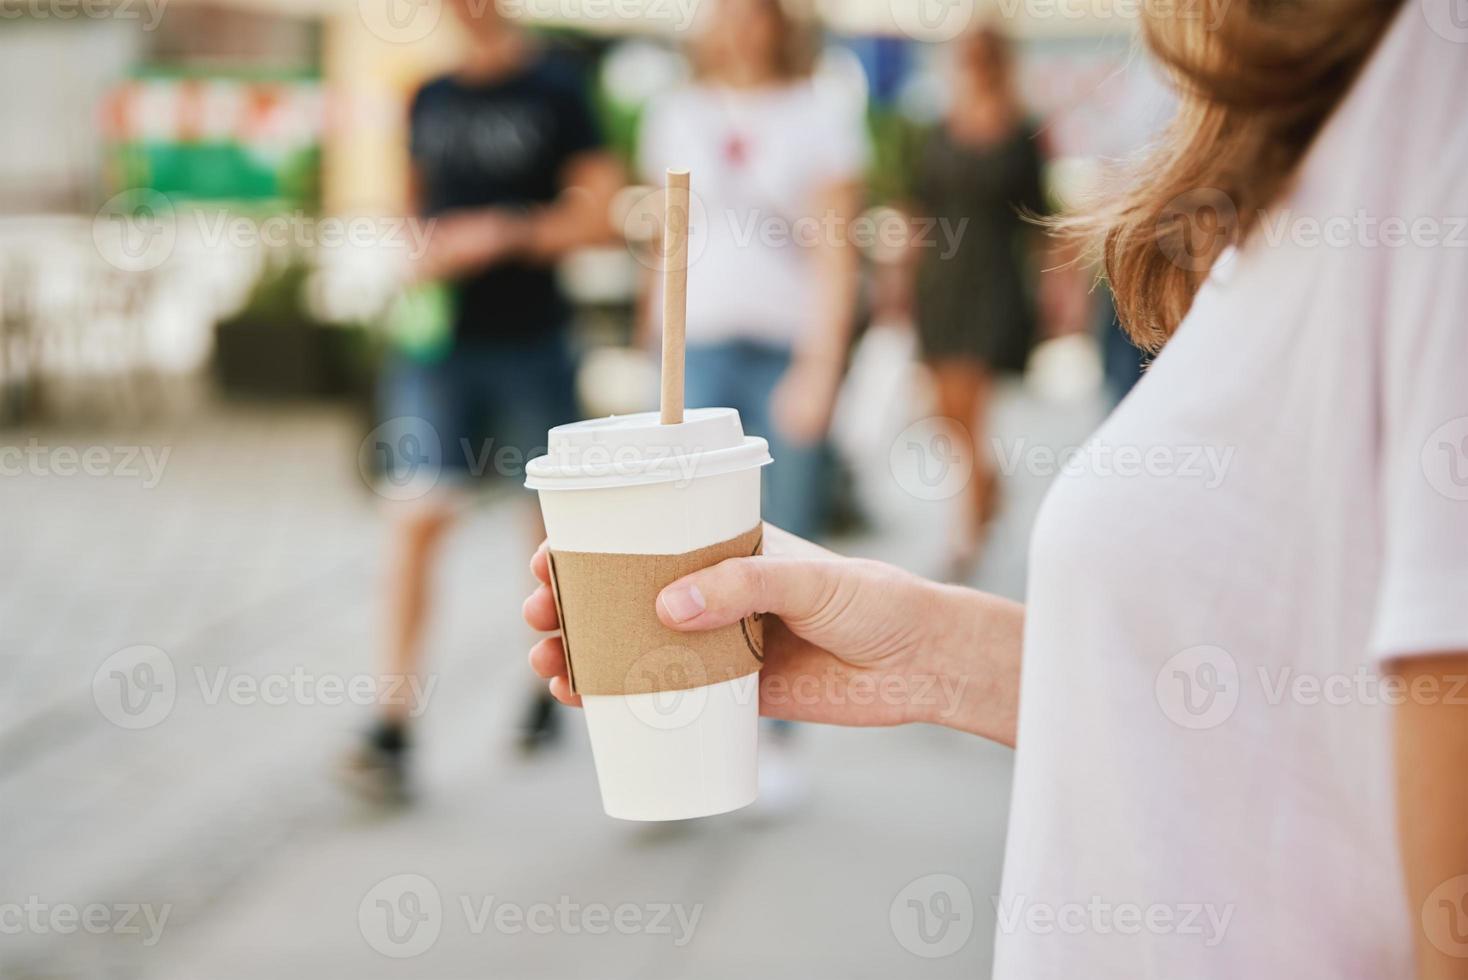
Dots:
pixel 729 591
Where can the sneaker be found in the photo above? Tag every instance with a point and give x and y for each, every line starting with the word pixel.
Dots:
pixel 376 771
pixel 541 728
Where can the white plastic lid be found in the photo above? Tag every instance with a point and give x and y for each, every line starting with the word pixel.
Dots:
pixel 628 450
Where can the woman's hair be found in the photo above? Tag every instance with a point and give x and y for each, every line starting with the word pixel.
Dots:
pixel 796 46
pixel 1257 80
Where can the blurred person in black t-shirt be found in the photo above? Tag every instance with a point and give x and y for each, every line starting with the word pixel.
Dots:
pixel 508 163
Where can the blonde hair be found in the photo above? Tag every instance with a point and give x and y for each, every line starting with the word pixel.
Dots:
pixel 1257 80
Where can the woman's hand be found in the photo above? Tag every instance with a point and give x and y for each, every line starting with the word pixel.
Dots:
pixel 804 399
pixel 855 642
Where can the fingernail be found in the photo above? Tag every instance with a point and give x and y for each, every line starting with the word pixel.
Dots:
pixel 682 602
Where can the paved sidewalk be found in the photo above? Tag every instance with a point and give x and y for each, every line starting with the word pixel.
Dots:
pixel 256 556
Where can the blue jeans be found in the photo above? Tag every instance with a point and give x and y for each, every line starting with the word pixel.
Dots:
pixel 742 375
pixel 488 406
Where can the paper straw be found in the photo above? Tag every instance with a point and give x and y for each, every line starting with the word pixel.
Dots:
pixel 675 294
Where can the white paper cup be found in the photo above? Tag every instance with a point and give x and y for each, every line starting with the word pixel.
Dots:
pixel 628 485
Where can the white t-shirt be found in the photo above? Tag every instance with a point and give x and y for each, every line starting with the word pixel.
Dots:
pixel 1203 786
pixel 758 159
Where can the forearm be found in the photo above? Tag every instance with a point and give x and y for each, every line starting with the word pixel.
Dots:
pixel 974 656
pixel 837 274
pixel 468 241
pixel 540 236
pixel 1431 743
pixel 580 216
pixel 806 397
pixel 575 221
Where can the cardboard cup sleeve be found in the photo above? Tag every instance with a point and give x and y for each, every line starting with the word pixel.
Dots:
pixel 614 642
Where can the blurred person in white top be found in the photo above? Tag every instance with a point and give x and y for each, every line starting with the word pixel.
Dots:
pixel 777 164
pixel 1238 689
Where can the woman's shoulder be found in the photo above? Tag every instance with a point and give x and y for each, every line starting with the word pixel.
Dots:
pixel 823 97
pixel 825 111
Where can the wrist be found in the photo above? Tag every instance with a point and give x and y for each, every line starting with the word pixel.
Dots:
pixel 519 233
pixel 970 663
pixel 818 371
pixel 816 360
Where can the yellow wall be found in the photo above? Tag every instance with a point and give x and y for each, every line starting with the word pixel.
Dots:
pixel 370 81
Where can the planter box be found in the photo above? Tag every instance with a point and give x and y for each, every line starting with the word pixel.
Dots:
pixel 291 359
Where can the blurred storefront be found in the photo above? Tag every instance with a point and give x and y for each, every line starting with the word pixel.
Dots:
pixel 192 119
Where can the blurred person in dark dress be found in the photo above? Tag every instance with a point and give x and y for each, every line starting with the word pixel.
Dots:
pixel 978 174
pixel 508 162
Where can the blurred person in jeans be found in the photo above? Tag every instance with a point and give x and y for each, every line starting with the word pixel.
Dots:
pixel 508 161
pixel 777 170
pixel 979 173
pixel 777 175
